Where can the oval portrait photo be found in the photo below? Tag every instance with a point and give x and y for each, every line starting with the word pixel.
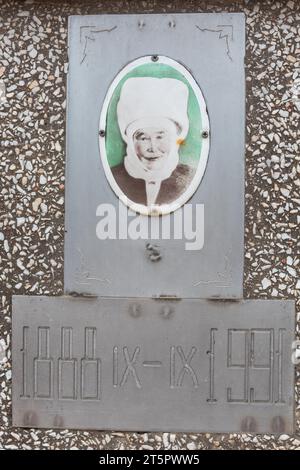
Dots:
pixel 154 135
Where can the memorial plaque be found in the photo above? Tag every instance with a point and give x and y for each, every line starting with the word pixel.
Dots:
pixel 146 364
pixel 155 155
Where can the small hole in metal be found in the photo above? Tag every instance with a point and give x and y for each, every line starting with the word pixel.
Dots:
pixel 154 58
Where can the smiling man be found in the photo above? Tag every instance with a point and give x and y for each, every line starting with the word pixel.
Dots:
pixel 153 120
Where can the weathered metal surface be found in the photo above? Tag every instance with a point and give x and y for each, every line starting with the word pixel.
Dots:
pixel 137 364
pixel 211 47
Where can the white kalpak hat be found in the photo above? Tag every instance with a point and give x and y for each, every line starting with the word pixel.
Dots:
pixel 147 99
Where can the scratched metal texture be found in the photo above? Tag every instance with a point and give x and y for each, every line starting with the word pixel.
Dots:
pixel 99 47
pixel 145 364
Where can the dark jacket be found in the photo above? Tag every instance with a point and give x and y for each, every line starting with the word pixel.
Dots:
pixel 170 189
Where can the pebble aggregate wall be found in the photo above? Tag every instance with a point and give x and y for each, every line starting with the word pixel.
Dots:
pixel 33 68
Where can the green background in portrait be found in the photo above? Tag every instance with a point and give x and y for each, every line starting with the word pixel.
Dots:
pixel 116 148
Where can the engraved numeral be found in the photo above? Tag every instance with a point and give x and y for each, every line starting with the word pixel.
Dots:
pixel 280 367
pixel 259 364
pixel 211 354
pixel 252 351
pixel 241 337
pixel 90 367
pixel 130 369
pixel 43 366
pixel 185 366
pixel 25 393
pixel 67 367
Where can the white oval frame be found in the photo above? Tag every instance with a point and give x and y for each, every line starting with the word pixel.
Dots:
pixel 203 157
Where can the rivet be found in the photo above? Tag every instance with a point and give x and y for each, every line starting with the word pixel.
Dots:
pixel 205 134
pixel 102 133
pixel 58 421
pixel 154 58
pixel 166 311
pixel 248 424
pixel 172 24
pixel 141 24
pixel 278 425
pixel 135 310
pixel 30 419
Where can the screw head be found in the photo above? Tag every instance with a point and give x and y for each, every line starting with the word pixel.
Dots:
pixel 154 58
pixel 205 134
pixel 102 133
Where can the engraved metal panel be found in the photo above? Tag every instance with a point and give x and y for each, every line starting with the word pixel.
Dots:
pixel 211 47
pixel 145 364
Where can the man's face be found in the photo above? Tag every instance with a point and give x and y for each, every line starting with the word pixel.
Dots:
pixel 152 146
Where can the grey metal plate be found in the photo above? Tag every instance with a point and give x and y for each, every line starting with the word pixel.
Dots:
pixel 137 364
pixel 212 47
